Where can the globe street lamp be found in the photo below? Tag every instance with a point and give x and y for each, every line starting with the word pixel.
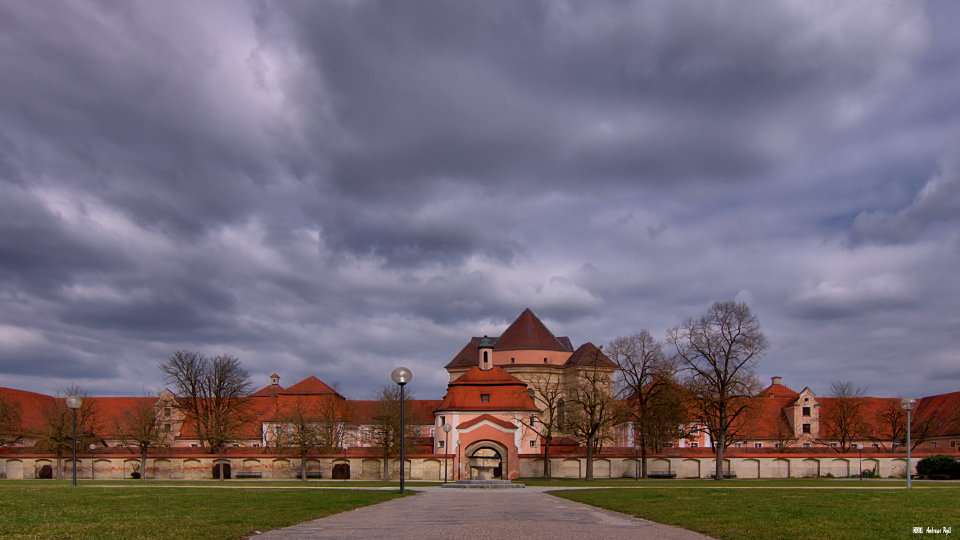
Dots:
pixel 446 449
pixel 401 376
pixel 908 404
pixel 459 460
pixel 93 460
pixel 860 450
pixel 73 403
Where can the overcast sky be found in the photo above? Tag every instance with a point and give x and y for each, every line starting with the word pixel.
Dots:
pixel 337 188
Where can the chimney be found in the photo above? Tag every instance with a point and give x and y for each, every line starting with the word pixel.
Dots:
pixel 776 380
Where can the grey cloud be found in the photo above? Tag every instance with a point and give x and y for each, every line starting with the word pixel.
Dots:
pixel 326 188
pixel 936 204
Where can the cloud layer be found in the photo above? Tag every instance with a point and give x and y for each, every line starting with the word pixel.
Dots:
pixel 336 188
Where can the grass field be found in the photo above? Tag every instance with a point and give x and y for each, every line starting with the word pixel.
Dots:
pixel 779 511
pixel 737 509
pixel 55 510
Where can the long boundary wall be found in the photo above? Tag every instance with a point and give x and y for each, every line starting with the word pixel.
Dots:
pixel 432 467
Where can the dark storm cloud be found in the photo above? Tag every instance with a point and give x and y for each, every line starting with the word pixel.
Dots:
pixel 332 188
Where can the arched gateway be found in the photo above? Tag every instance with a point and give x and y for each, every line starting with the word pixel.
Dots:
pixel 486 460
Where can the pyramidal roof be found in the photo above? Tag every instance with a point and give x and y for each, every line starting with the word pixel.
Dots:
pixel 310 385
pixel 590 355
pixel 528 332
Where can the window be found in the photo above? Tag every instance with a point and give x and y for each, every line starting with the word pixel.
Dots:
pixel 443 420
pixel 440 444
pixel 758 445
pixel 695 445
pixel 166 412
pixel 806 400
pixel 433 433
pixel 806 411
pixel 933 444
pixel 806 428
pixel 485 398
pixel 166 428
pixel 806 445
pixel 776 445
pixel 833 445
pixel 669 445
pixel 738 445
pixel 533 421
pixel 953 444
pixel 875 445
pixel 513 360
pixel 533 443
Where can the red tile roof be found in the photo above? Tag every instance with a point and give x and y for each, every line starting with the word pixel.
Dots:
pixel 486 418
pixel 943 410
pixel 267 391
pixel 310 385
pixel 416 411
pixel 779 391
pixel 504 392
pixel 529 333
pixel 589 355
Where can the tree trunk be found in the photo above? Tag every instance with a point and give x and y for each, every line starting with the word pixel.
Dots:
pixel 546 459
pixel 643 457
pixel 143 464
pixel 303 467
pixel 589 475
pixel 220 448
pixel 59 467
pixel 721 443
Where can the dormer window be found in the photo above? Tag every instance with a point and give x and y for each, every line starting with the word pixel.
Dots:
pixel 485 398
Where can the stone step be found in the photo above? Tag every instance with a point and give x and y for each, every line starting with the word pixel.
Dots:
pixel 484 484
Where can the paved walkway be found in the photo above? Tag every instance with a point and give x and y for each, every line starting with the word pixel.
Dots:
pixel 474 514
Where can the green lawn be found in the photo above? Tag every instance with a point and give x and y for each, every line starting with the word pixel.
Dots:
pixel 54 510
pixel 774 512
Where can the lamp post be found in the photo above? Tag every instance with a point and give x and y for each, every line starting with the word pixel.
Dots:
pixel 93 460
pixel 446 449
pixel 401 376
pixel 459 461
pixel 860 450
pixel 73 403
pixel 908 404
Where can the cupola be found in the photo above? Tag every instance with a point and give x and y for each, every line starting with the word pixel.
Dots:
pixel 486 353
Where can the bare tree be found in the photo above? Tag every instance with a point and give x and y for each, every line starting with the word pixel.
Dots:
pixel 56 429
pixel 664 417
pixel 891 424
pixel 645 377
pixel 334 413
pixel 138 427
pixel 298 430
pixel 921 430
pixel 547 392
pixel 842 418
pixel 386 424
pixel 210 393
pixel 593 409
pixel 783 434
pixel 720 351
pixel 11 422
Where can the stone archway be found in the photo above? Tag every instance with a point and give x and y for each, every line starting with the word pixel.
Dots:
pixel 486 460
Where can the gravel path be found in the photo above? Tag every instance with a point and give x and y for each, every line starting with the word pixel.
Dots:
pixel 515 514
